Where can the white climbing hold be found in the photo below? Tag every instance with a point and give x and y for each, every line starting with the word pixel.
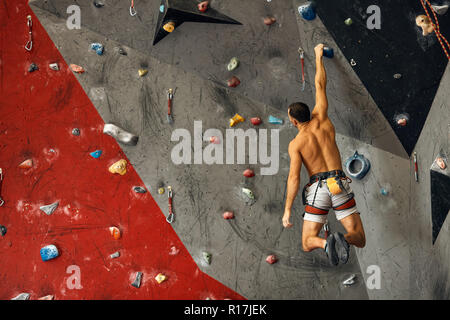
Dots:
pixel 441 10
pixel 115 255
pixel 49 209
pixel 22 296
pixel 54 66
pixel 120 135
pixel 350 281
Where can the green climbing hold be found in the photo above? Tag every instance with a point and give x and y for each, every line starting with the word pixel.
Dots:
pixel 248 193
pixel 349 21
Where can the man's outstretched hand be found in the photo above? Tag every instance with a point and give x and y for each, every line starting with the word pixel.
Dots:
pixel 286 222
pixel 319 50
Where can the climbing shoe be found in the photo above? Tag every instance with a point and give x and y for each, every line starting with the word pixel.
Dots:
pixel 342 247
pixel 330 250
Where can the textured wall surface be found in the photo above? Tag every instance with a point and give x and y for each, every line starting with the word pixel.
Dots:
pixel 193 61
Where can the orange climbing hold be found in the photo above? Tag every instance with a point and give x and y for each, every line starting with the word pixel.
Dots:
pixel 228 215
pixel 441 163
pixel 76 68
pixel 115 232
pixel 119 167
pixel 27 164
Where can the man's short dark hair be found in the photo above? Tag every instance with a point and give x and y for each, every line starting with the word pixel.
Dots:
pixel 300 112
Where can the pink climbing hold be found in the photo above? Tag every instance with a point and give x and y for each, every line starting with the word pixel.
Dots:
pixel 228 215
pixel 203 6
pixel 441 163
pixel 214 140
pixel 249 173
pixel 256 121
pixel 27 164
pixel 271 259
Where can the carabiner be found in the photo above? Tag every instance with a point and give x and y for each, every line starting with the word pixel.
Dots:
pixel 132 11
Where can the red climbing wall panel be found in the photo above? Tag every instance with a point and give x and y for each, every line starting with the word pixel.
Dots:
pixel 37 114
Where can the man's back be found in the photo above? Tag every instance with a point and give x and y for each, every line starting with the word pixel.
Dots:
pixel 317 146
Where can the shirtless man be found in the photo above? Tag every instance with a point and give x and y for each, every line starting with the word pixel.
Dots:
pixel 328 188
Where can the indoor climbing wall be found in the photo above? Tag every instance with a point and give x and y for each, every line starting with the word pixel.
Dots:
pixel 202 255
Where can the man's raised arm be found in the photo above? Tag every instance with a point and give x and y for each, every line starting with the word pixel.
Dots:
pixel 321 108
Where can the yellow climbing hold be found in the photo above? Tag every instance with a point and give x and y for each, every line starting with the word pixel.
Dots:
pixel 169 26
pixel 119 167
pixel 236 119
pixel 161 190
pixel 142 72
pixel 160 278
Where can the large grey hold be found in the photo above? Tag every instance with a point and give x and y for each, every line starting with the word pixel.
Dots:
pixel 441 10
pixel 22 296
pixel 207 256
pixel 49 209
pixel 350 280
pixel 120 135
pixel 137 281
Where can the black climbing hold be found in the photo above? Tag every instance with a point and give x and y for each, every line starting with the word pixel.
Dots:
pixel 139 190
pixel 3 230
pixel 180 11
pixel 33 67
pixel 98 4
pixel 76 132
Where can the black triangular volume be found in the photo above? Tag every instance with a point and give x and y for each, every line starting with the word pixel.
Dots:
pixel 440 201
pixel 180 11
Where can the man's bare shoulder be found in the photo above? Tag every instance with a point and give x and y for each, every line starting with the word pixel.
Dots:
pixel 295 144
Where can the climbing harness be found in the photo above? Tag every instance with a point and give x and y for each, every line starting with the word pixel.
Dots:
pixel 29 44
pixel 302 59
pixel 436 27
pixel 2 202
pixel 169 111
pixel 132 9
pixel 365 166
pixel 169 218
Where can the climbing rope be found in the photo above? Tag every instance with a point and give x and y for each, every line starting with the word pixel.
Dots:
pixel 437 30
pixel 132 9
pixel 29 44
pixel 302 59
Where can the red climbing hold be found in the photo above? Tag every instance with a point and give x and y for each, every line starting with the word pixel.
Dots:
pixel 115 232
pixel 228 215
pixel 271 259
pixel 234 82
pixel 256 121
pixel 402 122
pixel 203 6
pixel 214 140
pixel 249 173
pixel 27 164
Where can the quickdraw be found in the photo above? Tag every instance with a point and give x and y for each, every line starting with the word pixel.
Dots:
pixel 2 202
pixel 326 229
pixel 302 59
pixel 29 44
pixel 169 107
pixel 437 30
pixel 170 217
pixel 132 9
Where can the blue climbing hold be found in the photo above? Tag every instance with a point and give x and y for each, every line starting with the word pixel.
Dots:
pixel 161 8
pixel 96 154
pixel 307 11
pixel 49 252
pixel 384 192
pixel 328 52
pixel 274 120
pixel 98 47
